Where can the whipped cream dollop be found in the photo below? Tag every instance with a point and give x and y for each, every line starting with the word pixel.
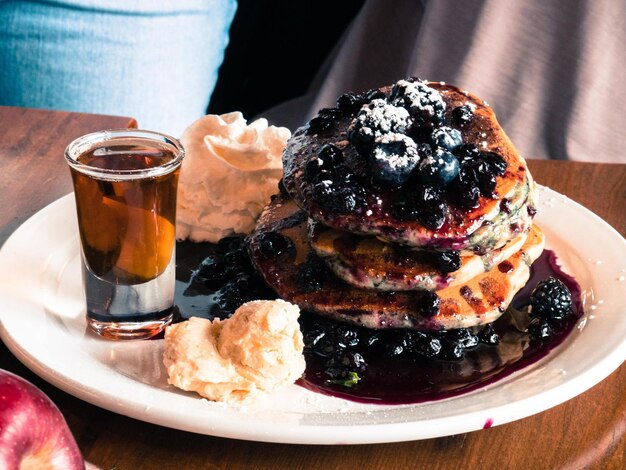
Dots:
pixel 229 172
pixel 254 352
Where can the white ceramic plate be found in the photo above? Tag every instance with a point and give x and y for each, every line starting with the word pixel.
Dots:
pixel 42 323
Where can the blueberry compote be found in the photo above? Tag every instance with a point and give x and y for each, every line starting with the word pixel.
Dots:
pixel 213 280
pixel 389 366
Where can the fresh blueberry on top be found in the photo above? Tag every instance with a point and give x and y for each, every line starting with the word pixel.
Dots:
pixel 461 115
pixel 424 103
pixel 424 204
pixel 496 163
pixel 325 119
pixel 446 138
pixel 334 198
pixel 439 169
pixel 376 119
pixel 478 172
pixel 350 103
pixel 325 166
pixel 466 152
pixel 393 158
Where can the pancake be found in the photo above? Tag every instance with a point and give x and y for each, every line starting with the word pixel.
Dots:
pixel 478 229
pixel 371 263
pixel 298 275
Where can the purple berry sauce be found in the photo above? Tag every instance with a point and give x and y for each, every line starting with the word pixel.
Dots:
pixel 389 375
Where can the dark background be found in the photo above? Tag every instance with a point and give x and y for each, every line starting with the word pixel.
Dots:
pixel 275 49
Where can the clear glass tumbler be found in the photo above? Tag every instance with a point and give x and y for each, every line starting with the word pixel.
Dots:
pixel 125 184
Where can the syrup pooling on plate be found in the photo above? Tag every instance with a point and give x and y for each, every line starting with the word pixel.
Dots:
pixel 365 365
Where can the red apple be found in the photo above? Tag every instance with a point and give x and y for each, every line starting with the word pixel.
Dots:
pixel 33 432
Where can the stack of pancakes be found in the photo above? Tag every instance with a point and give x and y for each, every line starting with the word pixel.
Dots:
pixel 354 257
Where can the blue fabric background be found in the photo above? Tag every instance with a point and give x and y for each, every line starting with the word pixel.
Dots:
pixel 155 61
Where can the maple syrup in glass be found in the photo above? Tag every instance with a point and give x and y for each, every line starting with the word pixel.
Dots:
pixel 125 185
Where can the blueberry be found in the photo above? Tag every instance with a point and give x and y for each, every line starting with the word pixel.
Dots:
pixel 551 300
pixel 427 346
pixel 236 292
pixel 346 336
pixel 237 260
pixel 479 169
pixel 428 194
pixel 342 174
pixel 405 210
pixel 496 163
pixel 425 204
pixel 324 346
pixel 311 274
pixel 448 261
pixel 451 350
pixel 488 335
pixel 428 303
pixel 212 268
pixel 393 159
pixel 425 104
pixel 506 205
pixel 433 216
pixel 466 152
pixel 350 103
pixel 228 244
pixel 466 196
pixel 472 170
pixel 439 169
pixel 463 337
pixel 376 119
pixel 330 155
pixel 461 115
pixel 372 341
pixel 325 119
pixel 446 138
pixel 375 94
pixel 539 329
pixel 335 199
pixel 274 244
pixel 394 348
pixel 321 166
pixel 312 169
pixel 487 185
pixel 320 123
pixel 312 337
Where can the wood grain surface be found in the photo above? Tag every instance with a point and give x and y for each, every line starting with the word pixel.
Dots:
pixel 588 431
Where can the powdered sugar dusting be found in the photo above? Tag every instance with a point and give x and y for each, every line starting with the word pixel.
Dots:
pixel 417 97
pixel 378 118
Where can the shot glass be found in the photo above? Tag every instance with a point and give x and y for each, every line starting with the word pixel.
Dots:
pixel 125 184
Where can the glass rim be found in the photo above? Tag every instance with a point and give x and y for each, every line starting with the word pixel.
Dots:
pixel 93 140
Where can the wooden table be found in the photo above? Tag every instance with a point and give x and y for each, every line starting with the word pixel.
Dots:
pixel 585 432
